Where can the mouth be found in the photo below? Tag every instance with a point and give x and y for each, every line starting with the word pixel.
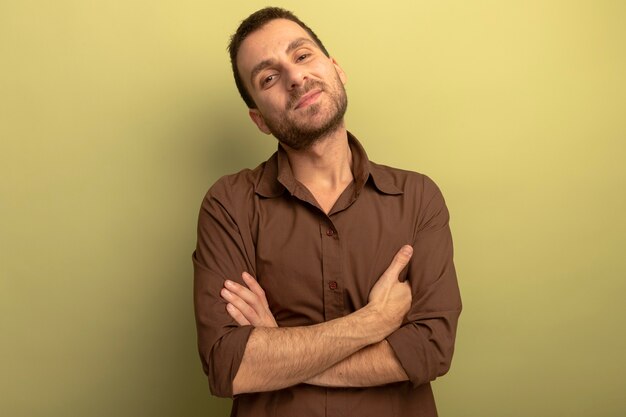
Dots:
pixel 308 99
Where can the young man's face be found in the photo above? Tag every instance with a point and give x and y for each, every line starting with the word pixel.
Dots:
pixel 298 90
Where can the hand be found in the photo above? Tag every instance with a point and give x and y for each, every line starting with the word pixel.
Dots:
pixel 247 305
pixel 389 296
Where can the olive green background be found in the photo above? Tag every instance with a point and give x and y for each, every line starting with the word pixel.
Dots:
pixel 116 117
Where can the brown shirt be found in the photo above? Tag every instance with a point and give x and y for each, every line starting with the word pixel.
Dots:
pixel 316 267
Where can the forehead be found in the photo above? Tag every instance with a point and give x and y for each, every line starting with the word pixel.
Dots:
pixel 268 42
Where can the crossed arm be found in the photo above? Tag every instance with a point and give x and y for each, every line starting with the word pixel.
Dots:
pixel 345 352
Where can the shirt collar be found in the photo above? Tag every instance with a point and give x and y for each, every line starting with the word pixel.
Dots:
pixel 277 175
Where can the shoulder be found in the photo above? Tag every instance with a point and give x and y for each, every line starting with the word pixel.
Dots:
pixel 233 185
pixel 420 195
pixel 233 193
pixel 236 187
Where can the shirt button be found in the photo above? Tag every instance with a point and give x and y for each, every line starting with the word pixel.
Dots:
pixel 332 285
pixel 330 232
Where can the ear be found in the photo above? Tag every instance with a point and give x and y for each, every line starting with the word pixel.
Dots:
pixel 259 121
pixel 342 74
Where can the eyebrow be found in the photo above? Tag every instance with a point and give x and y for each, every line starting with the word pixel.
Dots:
pixel 295 44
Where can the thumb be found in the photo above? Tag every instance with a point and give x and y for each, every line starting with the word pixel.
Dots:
pixel 400 261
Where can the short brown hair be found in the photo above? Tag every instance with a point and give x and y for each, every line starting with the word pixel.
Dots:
pixel 255 22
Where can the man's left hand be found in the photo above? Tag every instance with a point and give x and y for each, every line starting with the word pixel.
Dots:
pixel 247 305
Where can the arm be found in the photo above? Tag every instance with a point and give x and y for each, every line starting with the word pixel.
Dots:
pixel 224 249
pixel 373 365
pixel 276 358
pixel 424 345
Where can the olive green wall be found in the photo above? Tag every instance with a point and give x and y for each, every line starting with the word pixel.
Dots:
pixel 116 116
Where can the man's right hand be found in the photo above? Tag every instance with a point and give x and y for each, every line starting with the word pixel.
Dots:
pixel 248 305
pixel 390 297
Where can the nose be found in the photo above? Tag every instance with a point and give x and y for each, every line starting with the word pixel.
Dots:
pixel 295 76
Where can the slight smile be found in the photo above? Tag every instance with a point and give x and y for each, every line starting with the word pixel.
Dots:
pixel 308 99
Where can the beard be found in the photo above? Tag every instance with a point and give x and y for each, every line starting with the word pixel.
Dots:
pixel 301 133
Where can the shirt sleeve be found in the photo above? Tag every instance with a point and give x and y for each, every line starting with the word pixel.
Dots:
pixel 424 344
pixel 220 254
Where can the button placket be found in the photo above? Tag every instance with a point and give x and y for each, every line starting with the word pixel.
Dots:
pixel 331 269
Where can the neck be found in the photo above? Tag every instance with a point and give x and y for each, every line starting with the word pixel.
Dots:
pixel 326 165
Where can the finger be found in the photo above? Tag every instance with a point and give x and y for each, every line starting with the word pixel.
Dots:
pixel 400 261
pixel 244 293
pixel 236 315
pixel 254 286
pixel 244 308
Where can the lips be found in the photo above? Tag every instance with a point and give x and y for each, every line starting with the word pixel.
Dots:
pixel 308 98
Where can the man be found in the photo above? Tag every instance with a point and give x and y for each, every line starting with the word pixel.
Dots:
pixel 324 283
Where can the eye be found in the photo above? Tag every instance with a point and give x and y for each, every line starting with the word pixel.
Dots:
pixel 302 57
pixel 267 80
